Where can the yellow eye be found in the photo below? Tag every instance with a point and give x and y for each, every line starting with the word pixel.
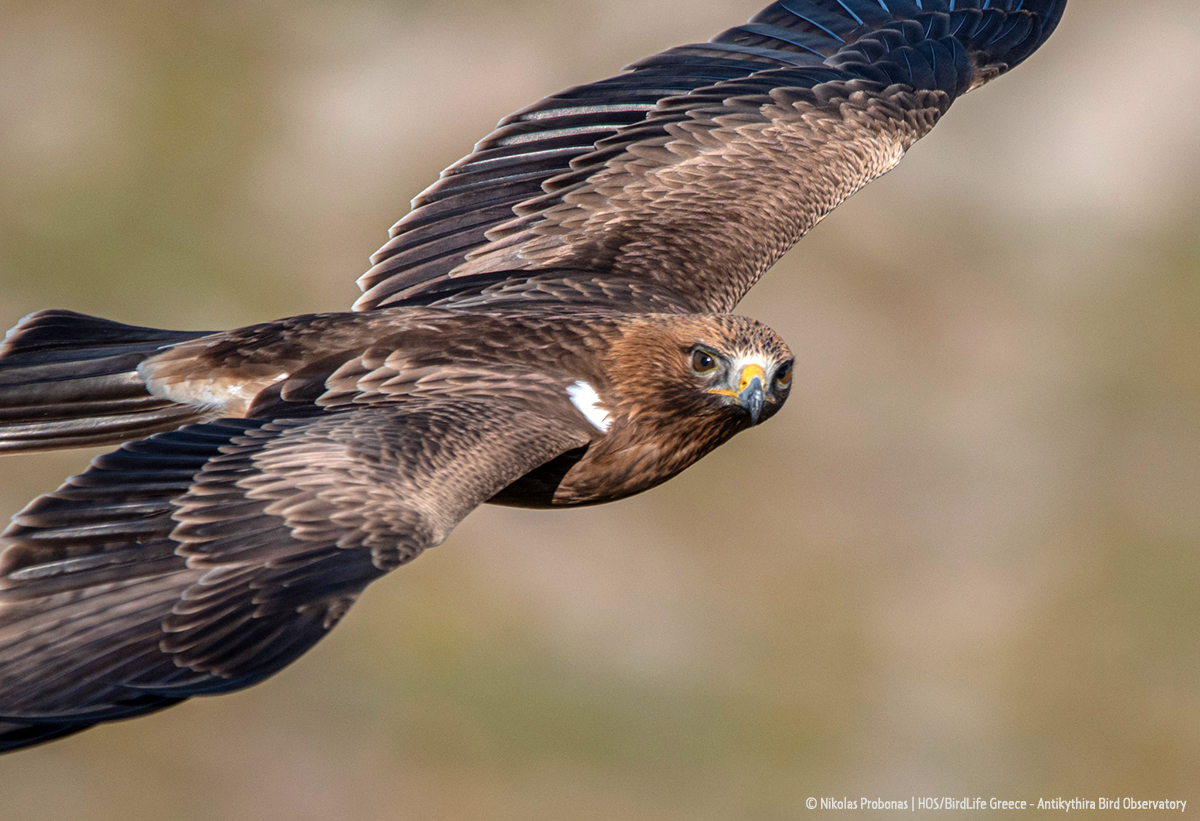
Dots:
pixel 783 376
pixel 703 362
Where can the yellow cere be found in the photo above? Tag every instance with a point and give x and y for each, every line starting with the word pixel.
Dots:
pixel 749 372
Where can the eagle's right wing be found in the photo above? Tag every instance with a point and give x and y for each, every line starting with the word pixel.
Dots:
pixel 205 559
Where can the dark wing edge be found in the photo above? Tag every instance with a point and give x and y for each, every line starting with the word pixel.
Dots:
pixel 205 559
pixel 691 173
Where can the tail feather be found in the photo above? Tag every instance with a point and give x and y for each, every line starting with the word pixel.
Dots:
pixel 70 380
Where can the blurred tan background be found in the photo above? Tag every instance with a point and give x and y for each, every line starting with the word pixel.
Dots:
pixel 963 560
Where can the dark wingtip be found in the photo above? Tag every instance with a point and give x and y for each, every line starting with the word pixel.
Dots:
pixel 17 736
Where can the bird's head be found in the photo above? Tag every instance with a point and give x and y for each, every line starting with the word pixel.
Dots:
pixel 728 371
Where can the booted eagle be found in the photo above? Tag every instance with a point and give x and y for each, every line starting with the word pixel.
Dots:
pixel 547 327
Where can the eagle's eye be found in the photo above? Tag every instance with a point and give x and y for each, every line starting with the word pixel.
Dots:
pixel 703 362
pixel 783 376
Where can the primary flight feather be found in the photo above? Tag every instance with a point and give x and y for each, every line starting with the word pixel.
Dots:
pixel 547 327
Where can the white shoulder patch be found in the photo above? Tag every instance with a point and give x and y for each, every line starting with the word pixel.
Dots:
pixel 584 397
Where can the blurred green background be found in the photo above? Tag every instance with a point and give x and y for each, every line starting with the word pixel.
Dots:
pixel 963 560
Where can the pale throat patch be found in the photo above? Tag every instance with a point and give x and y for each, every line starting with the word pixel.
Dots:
pixel 584 397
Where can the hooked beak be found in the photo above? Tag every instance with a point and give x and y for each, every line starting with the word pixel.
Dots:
pixel 749 393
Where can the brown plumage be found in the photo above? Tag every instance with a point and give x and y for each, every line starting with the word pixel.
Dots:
pixel 546 328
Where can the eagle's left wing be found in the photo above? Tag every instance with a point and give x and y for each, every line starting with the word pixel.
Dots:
pixel 674 186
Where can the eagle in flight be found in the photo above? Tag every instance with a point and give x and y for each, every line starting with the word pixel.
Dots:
pixel 548 326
